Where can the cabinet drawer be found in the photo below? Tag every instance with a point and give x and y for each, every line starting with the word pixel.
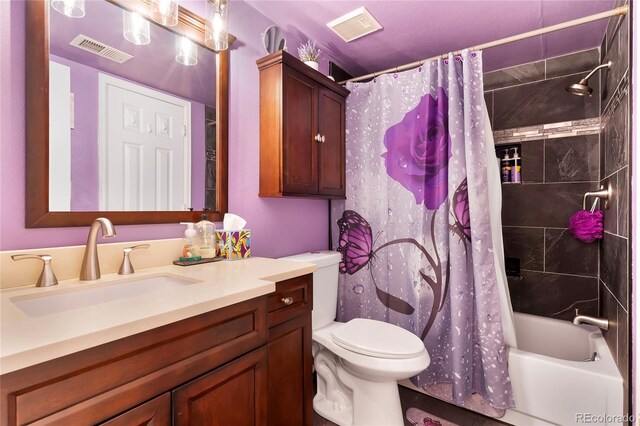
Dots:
pixel 292 298
pixel 156 412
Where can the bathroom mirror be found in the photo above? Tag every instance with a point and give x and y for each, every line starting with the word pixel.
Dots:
pixel 273 39
pixel 140 139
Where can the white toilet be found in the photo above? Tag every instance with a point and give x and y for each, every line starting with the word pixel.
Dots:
pixel 358 363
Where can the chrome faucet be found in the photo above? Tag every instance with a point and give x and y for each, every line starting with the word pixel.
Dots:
pixel 603 323
pixel 90 266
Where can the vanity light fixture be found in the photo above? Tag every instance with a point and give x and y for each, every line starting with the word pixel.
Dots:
pixel 70 8
pixel 216 36
pixel 135 28
pixel 165 12
pixel 186 51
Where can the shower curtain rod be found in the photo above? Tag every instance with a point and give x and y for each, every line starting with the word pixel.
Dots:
pixel 618 11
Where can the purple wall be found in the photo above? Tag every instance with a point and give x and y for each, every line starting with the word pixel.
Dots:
pixel 84 139
pixel 279 226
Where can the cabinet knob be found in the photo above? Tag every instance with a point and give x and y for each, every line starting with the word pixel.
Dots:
pixel 317 137
pixel 287 300
pixel 322 139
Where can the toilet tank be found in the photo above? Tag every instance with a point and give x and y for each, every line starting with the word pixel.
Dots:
pixel 325 284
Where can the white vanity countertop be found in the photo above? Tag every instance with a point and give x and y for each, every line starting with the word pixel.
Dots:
pixel 28 340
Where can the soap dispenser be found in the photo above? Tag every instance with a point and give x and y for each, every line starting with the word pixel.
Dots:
pixel 206 237
pixel 190 246
pixel 506 168
pixel 516 169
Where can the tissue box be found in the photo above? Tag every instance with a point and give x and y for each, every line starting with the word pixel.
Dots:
pixel 234 244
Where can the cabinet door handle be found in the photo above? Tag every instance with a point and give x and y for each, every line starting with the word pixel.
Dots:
pixel 287 300
pixel 322 139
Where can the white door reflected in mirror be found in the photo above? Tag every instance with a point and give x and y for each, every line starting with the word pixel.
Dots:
pixel 144 148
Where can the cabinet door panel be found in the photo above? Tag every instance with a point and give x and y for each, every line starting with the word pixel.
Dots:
pixel 299 148
pixel 290 371
pixel 234 394
pixel 331 113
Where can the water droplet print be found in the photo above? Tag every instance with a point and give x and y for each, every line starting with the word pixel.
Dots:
pixel 403 163
pixel 358 288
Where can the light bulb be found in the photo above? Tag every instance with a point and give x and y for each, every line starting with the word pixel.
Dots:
pixel 136 29
pixel 186 51
pixel 216 36
pixel 165 12
pixel 70 8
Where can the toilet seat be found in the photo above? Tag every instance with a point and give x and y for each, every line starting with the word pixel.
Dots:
pixel 377 339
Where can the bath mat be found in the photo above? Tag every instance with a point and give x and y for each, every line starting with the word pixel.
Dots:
pixel 475 402
pixel 422 418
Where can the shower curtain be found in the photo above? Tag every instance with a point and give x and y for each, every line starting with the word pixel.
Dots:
pixel 420 231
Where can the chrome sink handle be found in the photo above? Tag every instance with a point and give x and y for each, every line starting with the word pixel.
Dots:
pixel 47 277
pixel 126 267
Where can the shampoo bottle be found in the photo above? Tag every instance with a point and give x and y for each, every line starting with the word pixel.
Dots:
pixel 506 168
pixel 207 237
pixel 516 169
pixel 190 247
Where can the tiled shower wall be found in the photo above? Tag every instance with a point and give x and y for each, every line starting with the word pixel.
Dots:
pixel 615 139
pixel 559 137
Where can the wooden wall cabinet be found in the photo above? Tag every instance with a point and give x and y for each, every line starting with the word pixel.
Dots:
pixel 237 365
pixel 302 130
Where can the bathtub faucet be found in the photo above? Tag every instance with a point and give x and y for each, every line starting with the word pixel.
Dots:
pixel 603 323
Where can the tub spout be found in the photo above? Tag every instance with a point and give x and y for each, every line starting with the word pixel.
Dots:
pixel 603 323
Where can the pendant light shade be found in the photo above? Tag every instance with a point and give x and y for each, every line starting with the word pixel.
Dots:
pixel 165 12
pixel 135 28
pixel 70 8
pixel 186 51
pixel 216 36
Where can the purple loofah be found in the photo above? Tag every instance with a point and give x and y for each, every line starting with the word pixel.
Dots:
pixel 586 226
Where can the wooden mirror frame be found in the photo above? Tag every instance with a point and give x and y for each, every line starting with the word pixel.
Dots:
pixel 37 128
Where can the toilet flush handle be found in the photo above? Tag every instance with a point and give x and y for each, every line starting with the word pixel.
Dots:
pixel 287 300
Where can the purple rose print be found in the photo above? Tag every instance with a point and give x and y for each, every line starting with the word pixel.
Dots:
pixel 462 225
pixel 419 148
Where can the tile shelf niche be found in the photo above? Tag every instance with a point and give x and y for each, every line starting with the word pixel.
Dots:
pixel 508 174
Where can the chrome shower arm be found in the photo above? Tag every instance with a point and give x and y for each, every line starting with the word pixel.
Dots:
pixel 607 65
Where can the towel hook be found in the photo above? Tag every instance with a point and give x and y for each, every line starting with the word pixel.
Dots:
pixel 602 194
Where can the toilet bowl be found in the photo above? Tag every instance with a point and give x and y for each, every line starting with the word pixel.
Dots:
pixel 358 363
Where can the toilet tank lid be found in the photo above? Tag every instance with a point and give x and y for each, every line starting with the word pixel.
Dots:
pixel 319 258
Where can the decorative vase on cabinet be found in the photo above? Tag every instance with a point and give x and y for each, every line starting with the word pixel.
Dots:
pixel 302 130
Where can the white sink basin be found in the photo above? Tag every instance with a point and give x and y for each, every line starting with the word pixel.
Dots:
pixel 56 301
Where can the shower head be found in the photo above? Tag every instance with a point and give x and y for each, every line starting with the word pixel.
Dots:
pixel 581 89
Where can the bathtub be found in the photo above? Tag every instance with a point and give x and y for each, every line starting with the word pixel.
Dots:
pixel 553 384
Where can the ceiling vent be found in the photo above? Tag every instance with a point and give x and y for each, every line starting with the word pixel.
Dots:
pixel 97 48
pixel 355 24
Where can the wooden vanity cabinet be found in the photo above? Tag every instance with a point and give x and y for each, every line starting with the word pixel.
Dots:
pixel 302 130
pixel 212 369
